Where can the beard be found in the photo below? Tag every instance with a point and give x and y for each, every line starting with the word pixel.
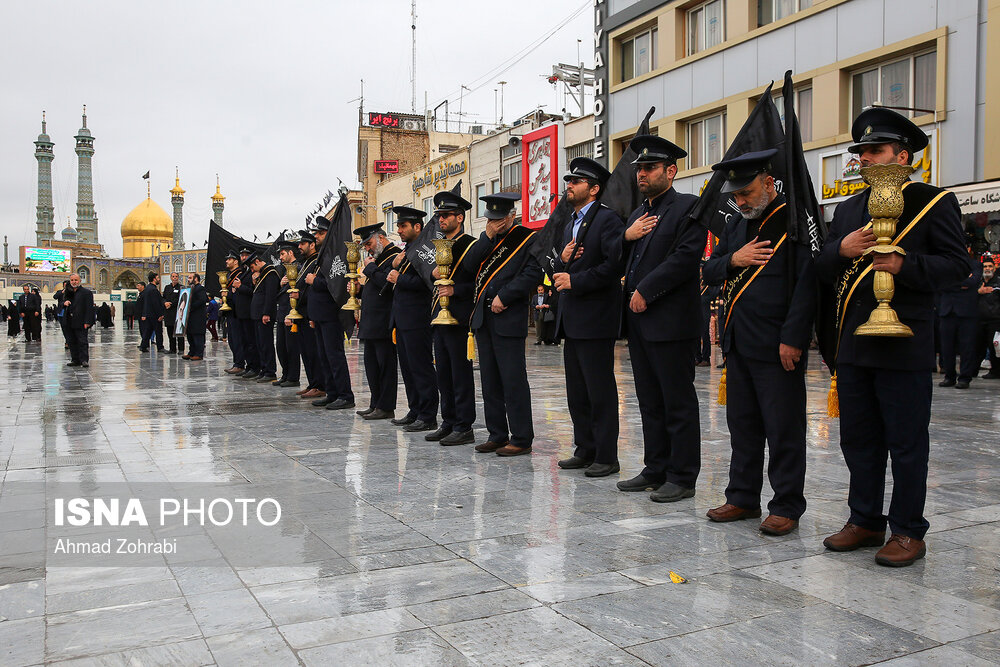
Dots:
pixel 757 208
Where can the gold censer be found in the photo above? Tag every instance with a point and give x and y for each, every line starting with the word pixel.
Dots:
pixel 223 278
pixel 443 259
pixel 885 205
pixel 353 257
pixel 292 272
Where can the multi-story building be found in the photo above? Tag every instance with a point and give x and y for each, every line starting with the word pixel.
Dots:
pixel 703 65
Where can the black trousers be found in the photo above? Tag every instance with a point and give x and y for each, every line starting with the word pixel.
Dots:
pixel 704 352
pixel 287 348
pixel 176 343
pixel 958 338
pixel 79 344
pixel 886 413
pixel 32 326
pixel 310 355
pixel 414 348
pixel 984 344
pixel 265 347
pixel 380 369
pixel 333 361
pixel 592 396
pixel 152 330
pixel 668 406
pixel 196 343
pixel 235 341
pixel 130 321
pixel 66 331
pixel 455 380
pixel 504 378
pixel 766 403
pixel 248 339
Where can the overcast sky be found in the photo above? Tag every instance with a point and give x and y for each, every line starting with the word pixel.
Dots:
pixel 258 92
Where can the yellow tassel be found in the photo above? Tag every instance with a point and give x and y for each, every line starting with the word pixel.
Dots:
pixel 833 399
pixel 295 327
pixel 722 388
pixel 394 336
pixel 470 349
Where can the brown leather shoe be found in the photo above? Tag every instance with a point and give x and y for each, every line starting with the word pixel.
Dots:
pixel 234 370
pixel 852 537
pixel 901 551
pixel 194 358
pixel 728 512
pixel 313 393
pixel 511 450
pixel 490 446
pixel 778 525
pixel 302 392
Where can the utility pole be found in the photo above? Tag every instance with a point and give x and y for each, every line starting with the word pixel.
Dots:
pixel 501 84
pixel 413 77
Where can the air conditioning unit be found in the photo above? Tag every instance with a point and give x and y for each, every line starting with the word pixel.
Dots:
pixel 412 125
pixel 476 129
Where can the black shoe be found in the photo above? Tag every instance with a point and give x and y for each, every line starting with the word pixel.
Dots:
pixel 946 383
pixel 574 463
pixel 991 376
pixel 420 425
pixel 458 438
pixel 670 492
pixel 277 382
pixel 601 469
pixel 287 383
pixel 638 483
pixel 142 349
pixel 85 364
pixel 263 377
pixel 340 404
pixel 538 342
pixel 250 375
pixel 434 436
pixel 362 413
pixel 169 351
pixel 73 363
pixel 323 402
pixel 961 384
pixel 405 421
pixel 379 414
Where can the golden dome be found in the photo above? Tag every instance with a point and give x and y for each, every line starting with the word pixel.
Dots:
pixel 148 220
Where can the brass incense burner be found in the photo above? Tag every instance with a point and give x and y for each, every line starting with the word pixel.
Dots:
pixel 443 259
pixel 292 272
pixel 353 257
pixel 885 204
pixel 223 279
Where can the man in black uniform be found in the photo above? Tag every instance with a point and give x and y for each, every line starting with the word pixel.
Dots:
pixel 152 314
pixel 958 311
pixel 137 308
pixel 241 292
pixel 197 319
pixel 455 381
pixel 80 317
pixel 171 293
pixel 325 313
pixel 885 383
pixel 662 322
pixel 770 296
pixel 374 328
pixel 709 293
pixel 411 318
pixel 588 279
pixel 234 333
pixel 287 336
pixel 29 305
pixel 307 333
pixel 263 310
pixel 988 309
pixel 506 277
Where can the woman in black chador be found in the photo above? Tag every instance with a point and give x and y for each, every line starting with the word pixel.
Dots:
pixel 104 315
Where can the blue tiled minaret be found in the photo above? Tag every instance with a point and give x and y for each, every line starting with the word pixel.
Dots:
pixel 86 218
pixel 217 203
pixel 45 230
pixel 177 199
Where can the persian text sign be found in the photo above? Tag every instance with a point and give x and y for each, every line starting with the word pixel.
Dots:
pixel 386 166
pixel 539 175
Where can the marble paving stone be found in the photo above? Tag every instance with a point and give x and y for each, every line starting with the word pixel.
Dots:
pixel 253 647
pixel 259 576
pixel 24 599
pixel 73 579
pixel 940 656
pixel 985 646
pixel 198 579
pixel 471 607
pixel 575 588
pixel 417 647
pixel 111 596
pixel 348 628
pixel 223 612
pixel 22 642
pixel 531 636
pixel 190 653
pixel 401 558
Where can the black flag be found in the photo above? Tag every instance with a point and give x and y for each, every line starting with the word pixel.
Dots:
pixel 333 252
pixel 808 227
pixel 146 175
pixel 548 240
pixel 420 252
pixel 761 131
pixel 220 244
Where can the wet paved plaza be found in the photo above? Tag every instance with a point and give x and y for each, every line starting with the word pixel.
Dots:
pixel 392 550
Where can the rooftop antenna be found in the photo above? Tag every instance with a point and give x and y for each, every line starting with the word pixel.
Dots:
pixel 413 73
pixel 501 84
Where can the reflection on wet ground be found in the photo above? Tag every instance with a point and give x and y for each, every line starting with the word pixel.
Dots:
pixel 406 552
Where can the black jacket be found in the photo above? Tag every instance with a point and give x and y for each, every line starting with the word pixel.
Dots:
pixel 779 305
pixel 309 265
pixel 265 294
pixel 81 311
pixel 171 293
pixel 962 300
pixel 197 318
pixel 989 304
pixel 667 279
pixel 376 304
pixel 935 258
pixel 411 303
pixel 460 303
pixel 152 303
pixel 29 303
pixel 590 308
pixel 240 298
pixel 514 283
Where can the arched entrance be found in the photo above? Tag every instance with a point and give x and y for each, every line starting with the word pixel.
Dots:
pixel 126 280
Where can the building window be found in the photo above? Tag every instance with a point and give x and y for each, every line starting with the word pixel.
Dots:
pixel 390 221
pixel 769 11
pixel 705 26
pixel 638 54
pixel 166 266
pixel 191 265
pixel 84 274
pixel 507 152
pixel 706 140
pixel 803 105
pixel 178 266
pixel 907 82
pixel 480 204
pixel 204 263
pixel 103 277
pixel 510 177
pixel 494 186
pixel 586 149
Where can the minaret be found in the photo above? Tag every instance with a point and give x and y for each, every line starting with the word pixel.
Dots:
pixel 217 203
pixel 86 218
pixel 44 215
pixel 177 199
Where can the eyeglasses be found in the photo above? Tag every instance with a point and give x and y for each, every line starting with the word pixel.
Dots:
pixel 577 181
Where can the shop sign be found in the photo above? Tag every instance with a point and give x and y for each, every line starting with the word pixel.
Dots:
pixel 438 178
pixel 539 175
